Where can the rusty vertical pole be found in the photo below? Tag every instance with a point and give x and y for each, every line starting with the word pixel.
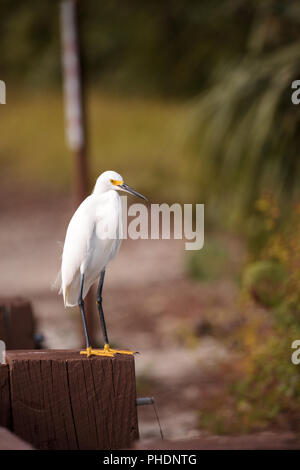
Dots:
pixel 73 97
pixel 75 116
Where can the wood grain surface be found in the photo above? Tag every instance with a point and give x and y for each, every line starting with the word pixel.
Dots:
pixel 63 400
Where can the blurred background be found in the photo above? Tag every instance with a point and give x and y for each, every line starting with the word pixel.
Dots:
pixel 190 102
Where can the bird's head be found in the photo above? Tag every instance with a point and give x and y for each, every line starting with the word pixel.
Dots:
pixel 112 180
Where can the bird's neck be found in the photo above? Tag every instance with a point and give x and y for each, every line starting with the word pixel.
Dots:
pixel 101 190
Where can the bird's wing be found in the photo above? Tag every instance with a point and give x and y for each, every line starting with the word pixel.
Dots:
pixel 76 246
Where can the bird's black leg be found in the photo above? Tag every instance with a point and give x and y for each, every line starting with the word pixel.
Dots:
pixel 107 351
pixel 81 306
pixel 100 308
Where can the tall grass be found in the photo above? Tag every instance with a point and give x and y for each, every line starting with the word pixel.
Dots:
pixel 246 131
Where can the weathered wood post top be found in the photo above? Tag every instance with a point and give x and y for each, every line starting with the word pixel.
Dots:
pixel 60 399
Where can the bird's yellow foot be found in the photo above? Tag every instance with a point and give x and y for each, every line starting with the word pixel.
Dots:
pixel 106 351
pixel 117 351
pixel 96 352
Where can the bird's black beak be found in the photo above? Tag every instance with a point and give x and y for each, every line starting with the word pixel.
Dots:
pixel 128 189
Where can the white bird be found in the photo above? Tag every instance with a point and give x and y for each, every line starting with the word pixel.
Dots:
pixel 93 238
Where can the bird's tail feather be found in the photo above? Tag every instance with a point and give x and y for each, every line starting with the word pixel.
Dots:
pixel 71 291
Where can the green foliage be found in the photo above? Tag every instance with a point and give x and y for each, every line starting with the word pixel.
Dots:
pixel 262 224
pixel 30 43
pixel 266 282
pixel 245 128
pixel 266 391
pixel 273 376
pixel 272 389
pixel 166 48
pixel 270 394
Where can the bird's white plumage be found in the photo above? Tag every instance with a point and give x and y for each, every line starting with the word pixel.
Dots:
pixel 93 238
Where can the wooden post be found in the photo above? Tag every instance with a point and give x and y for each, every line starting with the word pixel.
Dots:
pixel 5 416
pixel 62 400
pixel 17 325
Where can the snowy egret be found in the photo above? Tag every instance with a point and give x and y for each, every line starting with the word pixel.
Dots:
pixel 93 238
